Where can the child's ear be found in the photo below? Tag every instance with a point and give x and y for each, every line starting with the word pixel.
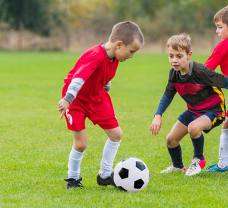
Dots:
pixel 190 55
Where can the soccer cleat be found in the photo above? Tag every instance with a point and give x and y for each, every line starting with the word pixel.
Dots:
pixel 105 181
pixel 196 167
pixel 171 169
pixel 216 168
pixel 73 183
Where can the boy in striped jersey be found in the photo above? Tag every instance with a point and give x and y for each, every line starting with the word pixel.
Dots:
pixel 200 89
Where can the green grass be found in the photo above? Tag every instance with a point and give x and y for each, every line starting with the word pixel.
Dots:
pixel 34 142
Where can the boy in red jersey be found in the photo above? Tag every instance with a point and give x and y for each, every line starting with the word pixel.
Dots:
pixel 219 57
pixel 200 89
pixel 85 95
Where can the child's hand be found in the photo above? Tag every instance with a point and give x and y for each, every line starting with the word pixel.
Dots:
pixel 62 107
pixel 156 124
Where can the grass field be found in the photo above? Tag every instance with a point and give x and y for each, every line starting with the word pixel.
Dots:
pixel 34 142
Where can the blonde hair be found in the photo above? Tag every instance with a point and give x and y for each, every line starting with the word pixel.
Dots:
pixel 180 41
pixel 126 31
pixel 222 15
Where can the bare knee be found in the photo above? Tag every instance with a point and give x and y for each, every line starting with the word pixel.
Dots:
pixel 194 130
pixel 80 140
pixel 171 141
pixel 116 135
pixel 225 124
pixel 80 146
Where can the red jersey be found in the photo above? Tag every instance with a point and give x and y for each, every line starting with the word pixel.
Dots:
pixel 219 57
pixel 96 69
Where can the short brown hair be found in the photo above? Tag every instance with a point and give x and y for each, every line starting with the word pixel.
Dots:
pixel 180 41
pixel 222 15
pixel 126 31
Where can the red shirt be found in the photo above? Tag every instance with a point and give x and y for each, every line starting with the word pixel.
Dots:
pixel 219 57
pixel 96 69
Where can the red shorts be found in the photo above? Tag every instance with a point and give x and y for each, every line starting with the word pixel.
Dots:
pixel 101 113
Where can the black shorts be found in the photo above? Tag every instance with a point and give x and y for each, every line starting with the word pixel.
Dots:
pixel 187 117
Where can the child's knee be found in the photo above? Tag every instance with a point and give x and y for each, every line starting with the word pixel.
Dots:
pixel 117 136
pixel 194 130
pixel 80 146
pixel 170 141
pixel 80 140
pixel 225 124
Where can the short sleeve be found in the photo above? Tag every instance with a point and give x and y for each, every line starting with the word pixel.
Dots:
pixel 86 65
pixel 216 57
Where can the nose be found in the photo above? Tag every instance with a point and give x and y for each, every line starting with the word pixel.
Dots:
pixel 174 59
pixel 217 31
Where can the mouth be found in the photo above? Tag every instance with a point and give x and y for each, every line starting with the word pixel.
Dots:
pixel 175 66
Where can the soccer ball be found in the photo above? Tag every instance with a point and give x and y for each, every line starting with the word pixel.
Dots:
pixel 131 175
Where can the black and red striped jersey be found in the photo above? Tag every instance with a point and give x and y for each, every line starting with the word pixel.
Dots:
pixel 200 89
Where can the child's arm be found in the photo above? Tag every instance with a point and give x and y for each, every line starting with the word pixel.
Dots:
pixel 165 101
pixel 72 91
pixel 163 104
pixel 157 120
pixel 212 78
pixel 62 106
pixel 88 65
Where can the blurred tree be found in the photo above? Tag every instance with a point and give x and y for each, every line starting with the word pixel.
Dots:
pixel 158 18
pixel 85 15
pixel 191 16
pixel 34 15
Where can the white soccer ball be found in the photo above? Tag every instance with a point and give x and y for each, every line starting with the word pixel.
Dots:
pixel 131 175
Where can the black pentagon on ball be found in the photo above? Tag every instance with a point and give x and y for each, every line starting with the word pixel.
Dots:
pixel 124 173
pixel 140 165
pixel 138 184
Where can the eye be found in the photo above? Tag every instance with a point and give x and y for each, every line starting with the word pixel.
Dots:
pixel 219 27
pixel 179 56
pixel 170 55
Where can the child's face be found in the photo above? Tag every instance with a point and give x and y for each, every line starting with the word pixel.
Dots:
pixel 179 59
pixel 222 30
pixel 123 52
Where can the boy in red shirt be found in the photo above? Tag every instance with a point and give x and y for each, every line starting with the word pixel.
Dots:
pixel 85 95
pixel 219 57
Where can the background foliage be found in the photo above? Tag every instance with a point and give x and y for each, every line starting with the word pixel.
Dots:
pixel 157 18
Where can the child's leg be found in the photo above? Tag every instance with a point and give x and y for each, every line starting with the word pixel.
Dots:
pixel 195 129
pixel 76 154
pixel 109 151
pixel 223 147
pixel 173 138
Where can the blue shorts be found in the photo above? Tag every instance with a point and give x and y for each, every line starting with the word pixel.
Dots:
pixel 187 117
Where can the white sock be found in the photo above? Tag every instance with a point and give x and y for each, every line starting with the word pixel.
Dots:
pixel 109 153
pixel 223 149
pixel 74 162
